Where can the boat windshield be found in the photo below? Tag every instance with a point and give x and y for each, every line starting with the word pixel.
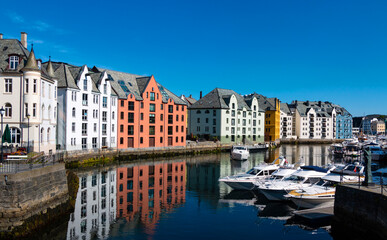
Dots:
pixel 324 183
pixel 240 148
pixel 297 179
pixel 253 171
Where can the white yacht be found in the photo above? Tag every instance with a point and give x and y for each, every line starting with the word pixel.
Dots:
pixel 322 193
pixel 239 153
pixel 352 149
pixel 279 175
pixel 337 149
pixel 277 189
pixel 246 180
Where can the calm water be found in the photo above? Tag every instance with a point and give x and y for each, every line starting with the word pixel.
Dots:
pixel 182 199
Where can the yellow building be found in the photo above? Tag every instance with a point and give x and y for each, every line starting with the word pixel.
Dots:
pixel 272 109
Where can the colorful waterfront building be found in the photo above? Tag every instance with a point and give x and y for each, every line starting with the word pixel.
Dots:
pixel 226 116
pixel 144 192
pixel 28 97
pixel 343 122
pixel 149 115
pixel 272 109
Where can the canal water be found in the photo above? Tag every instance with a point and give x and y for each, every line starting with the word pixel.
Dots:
pixel 182 199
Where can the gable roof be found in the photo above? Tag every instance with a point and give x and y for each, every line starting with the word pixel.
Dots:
pixel 12 46
pixel 219 99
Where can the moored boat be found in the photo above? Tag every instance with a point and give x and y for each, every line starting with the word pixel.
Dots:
pixel 240 153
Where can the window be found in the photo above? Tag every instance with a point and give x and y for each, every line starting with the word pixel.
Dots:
pixel 35 85
pixel 8 110
pixel 104 102
pixel 94 143
pixel 84 115
pixel 161 128
pixel 73 127
pixel 84 130
pixel 8 85
pixel 152 96
pixel 130 129
pixel 152 130
pixel 177 128
pixel 105 88
pixel 161 117
pixel 152 118
pixel 84 99
pixel 182 118
pixel 95 127
pixel 161 107
pixel 85 84
pixel 34 110
pixel 131 106
pixel 177 118
pixel 152 107
pixel 15 135
pixel 84 143
pixel 122 103
pixel 104 116
pixel 121 115
pixel 141 128
pixel 113 115
pixel 13 62
pixel 170 109
pixel 104 129
pixel 130 117
pixel 43 92
pixel 170 119
pixel 182 128
pixel 55 92
pixel 170 130
pixel 26 86
pixel 121 128
pixel 142 105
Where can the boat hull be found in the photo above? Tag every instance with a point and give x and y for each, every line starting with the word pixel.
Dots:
pixel 240 185
pixel 313 202
pixel 274 195
pixel 239 156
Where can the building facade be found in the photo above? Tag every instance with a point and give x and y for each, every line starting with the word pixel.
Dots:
pixel 272 109
pixel 29 97
pixel 228 117
pixel 286 122
pixel 87 108
pixel 148 114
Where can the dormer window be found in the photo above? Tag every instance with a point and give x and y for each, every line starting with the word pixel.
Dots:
pixel 13 62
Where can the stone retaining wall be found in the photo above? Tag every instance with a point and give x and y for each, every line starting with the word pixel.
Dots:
pixel 26 194
pixel 360 213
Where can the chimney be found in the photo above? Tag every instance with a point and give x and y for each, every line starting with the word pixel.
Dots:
pixel 1 36
pixel 319 103
pixel 201 94
pixel 23 39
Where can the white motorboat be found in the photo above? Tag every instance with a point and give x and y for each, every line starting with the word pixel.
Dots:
pixel 352 149
pixel 277 189
pixel 239 153
pixel 279 175
pixel 322 193
pixel 337 149
pixel 246 181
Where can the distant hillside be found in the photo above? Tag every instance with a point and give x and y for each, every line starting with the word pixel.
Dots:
pixel 356 121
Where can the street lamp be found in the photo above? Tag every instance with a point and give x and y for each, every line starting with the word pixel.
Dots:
pixel 28 129
pixel 2 132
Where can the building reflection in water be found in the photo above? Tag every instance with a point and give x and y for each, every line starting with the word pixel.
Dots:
pixel 317 155
pixel 95 206
pixel 144 191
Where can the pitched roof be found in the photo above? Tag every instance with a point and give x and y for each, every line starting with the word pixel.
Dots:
pixel 31 64
pixel 8 47
pixel 322 109
pixel 264 103
pixel 285 108
pixel 189 100
pixel 63 74
pixel 219 99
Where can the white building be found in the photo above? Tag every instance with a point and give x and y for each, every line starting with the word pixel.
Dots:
pixel 313 120
pixel 87 108
pixel 28 95
pixel 227 116
pixel 95 206
pixel 286 122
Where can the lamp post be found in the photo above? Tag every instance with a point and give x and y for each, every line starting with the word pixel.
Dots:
pixel 28 129
pixel 2 132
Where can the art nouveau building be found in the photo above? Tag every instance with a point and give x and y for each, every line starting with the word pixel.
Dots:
pixel 87 108
pixel 225 115
pixel 28 95
pixel 95 206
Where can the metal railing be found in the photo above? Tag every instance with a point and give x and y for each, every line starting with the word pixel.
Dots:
pixel 20 164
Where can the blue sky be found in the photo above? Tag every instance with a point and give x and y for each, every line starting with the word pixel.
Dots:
pixel 305 50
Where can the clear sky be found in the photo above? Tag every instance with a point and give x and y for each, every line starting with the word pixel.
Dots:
pixel 294 50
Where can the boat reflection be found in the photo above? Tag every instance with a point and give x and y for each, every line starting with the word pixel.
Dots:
pixel 245 198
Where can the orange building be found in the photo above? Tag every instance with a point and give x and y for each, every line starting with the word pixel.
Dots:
pixel 148 189
pixel 148 115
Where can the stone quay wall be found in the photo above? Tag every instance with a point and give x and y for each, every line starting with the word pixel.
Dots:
pixel 25 194
pixel 360 212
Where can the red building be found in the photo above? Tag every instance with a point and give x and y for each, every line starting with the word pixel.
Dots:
pixel 148 189
pixel 149 115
